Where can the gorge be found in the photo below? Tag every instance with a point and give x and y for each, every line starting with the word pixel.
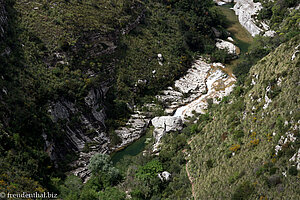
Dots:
pixel 151 99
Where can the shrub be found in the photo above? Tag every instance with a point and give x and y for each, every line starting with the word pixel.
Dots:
pixel 210 163
pixel 112 194
pixel 101 165
pixel 235 147
pixel 71 187
pixel 150 170
pixel 238 134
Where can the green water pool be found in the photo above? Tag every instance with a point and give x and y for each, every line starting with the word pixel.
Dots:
pixel 131 150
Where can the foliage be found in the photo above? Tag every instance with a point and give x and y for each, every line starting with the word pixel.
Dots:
pixel 100 165
pixel 243 191
pixel 235 147
pixel 112 194
pixel 252 129
pixel 71 188
pixel 150 170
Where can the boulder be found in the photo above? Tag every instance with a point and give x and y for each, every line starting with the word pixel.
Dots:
pixel 231 48
pixel 164 176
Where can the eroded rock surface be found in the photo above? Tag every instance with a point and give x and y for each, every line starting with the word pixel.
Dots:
pixel 246 10
pixel 191 92
pixel 134 129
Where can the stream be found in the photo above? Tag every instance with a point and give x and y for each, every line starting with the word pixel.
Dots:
pixel 242 39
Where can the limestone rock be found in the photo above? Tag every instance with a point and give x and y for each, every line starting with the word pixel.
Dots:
pixel 194 80
pixel 164 176
pixel 245 9
pixel 230 39
pixel 160 59
pixel 134 129
pixel 163 125
pixel 202 81
pixel 89 124
pixel 222 2
pixel 231 48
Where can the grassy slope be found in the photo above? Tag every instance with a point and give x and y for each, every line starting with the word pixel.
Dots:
pixel 56 20
pixel 248 172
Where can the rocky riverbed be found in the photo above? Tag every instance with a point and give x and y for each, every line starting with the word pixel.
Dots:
pixel 191 93
pixel 246 10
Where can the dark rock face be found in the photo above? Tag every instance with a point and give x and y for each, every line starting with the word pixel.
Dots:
pixel 82 126
pixel 3 18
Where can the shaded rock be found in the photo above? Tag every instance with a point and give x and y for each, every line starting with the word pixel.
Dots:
pixel 134 129
pixel 3 18
pixel 82 127
pixel 217 33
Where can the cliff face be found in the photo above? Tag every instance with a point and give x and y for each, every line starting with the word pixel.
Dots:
pixel 251 147
pixel 82 126
pixel 3 18
pixel 66 50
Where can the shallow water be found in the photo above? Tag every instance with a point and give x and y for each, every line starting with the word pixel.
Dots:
pixel 131 150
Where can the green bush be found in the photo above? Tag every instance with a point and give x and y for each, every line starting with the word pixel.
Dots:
pixel 150 170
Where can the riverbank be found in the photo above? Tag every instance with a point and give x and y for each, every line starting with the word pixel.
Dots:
pixel 242 38
pixel 195 99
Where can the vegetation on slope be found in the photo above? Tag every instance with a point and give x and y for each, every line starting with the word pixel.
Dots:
pixel 234 155
pixel 54 49
pixel 138 175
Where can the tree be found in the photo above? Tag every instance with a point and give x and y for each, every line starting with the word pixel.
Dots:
pixel 101 166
